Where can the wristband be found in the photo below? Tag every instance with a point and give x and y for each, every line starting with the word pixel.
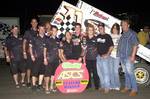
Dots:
pixel 7 56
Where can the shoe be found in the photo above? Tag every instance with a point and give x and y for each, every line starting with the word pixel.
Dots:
pixel 54 90
pixel 106 91
pixel 39 88
pixel 117 89
pixel 17 86
pixel 34 88
pixel 101 89
pixel 23 84
pixel 96 88
pixel 125 90
pixel 90 89
pixel 47 92
pixel 133 93
pixel 29 85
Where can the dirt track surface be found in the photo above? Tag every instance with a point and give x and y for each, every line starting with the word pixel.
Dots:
pixel 8 91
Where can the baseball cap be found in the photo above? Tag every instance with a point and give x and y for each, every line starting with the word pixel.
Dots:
pixel 101 24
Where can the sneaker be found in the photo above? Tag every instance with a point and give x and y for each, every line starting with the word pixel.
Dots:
pixel 29 85
pixel 17 86
pixel 34 88
pixel 117 89
pixel 133 93
pixel 54 90
pixel 47 92
pixel 23 84
pixel 125 90
pixel 106 91
pixel 90 89
pixel 101 89
pixel 39 88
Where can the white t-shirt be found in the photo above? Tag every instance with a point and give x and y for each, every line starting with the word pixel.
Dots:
pixel 115 39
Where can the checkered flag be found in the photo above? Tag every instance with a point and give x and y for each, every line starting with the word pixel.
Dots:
pixel 4 30
pixel 66 17
pixel 67 25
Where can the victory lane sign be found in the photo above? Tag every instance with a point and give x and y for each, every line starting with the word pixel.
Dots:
pixel 71 77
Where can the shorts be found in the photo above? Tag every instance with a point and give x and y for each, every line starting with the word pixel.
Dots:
pixel 51 68
pixel 28 63
pixel 38 67
pixel 17 67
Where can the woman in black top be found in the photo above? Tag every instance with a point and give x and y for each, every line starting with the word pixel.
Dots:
pixel 90 57
pixel 66 47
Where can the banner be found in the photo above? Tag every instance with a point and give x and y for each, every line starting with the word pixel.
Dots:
pixel 93 16
pixel 143 52
pixel 71 77
pixel 5 26
pixel 66 17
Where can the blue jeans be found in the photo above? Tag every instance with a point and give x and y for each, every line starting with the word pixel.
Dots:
pixel 103 71
pixel 114 73
pixel 130 81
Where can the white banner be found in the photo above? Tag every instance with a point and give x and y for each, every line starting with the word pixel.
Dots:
pixel 92 15
pixel 66 17
pixel 143 52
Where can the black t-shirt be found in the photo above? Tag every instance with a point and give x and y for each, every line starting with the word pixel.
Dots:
pixel 67 48
pixel 29 35
pixel 14 46
pixel 76 48
pixel 37 44
pixel 52 46
pixel 91 50
pixel 104 42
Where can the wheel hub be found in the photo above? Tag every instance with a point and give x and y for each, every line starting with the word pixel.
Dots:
pixel 141 75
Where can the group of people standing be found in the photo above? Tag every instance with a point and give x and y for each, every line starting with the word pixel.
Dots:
pixel 38 53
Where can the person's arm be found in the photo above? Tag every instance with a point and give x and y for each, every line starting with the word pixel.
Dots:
pixel 45 57
pixel 109 52
pixel 24 49
pixel 7 54
pixel 110 48
pixel 133 54
pixel 6 51
pixel 82 55
pixel 31 52
pixel 61 52
pixel 134 42
pixel 148 38
pixel 61 55
pixel 139 36
pixel 25 40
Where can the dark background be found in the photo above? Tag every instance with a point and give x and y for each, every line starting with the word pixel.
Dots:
pixel 137 10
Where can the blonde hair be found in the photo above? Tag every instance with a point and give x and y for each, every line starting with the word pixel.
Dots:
pixel 90 26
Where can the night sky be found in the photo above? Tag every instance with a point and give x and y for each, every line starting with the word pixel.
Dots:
pixel 26 9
